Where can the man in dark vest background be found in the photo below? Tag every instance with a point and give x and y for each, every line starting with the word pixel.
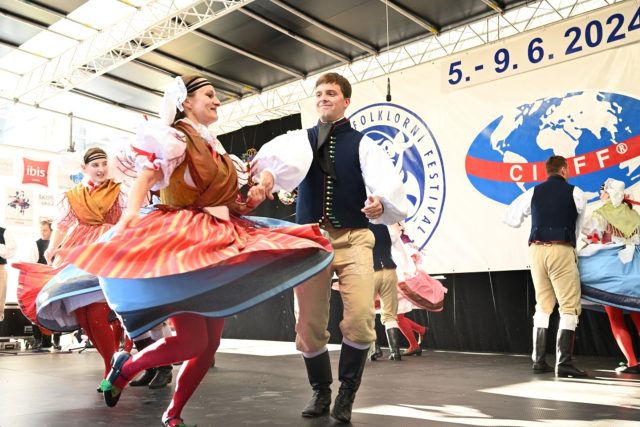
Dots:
pixel 385 282
pixel 7 250
pixel 42 340
pixel 556 208
pixel 345 181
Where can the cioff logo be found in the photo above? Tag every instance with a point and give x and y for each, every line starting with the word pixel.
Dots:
pixel 597 132
pixel 76 178
pixel 35 172
pixel 415 154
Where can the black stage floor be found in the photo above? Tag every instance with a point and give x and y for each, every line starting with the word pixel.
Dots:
pixel 247 389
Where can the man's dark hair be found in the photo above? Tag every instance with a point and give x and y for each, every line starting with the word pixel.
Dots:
pixel 554 164
pixel 336 78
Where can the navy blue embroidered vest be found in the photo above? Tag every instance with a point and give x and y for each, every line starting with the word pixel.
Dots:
pixel 553 212
pixel 2 260
pixel 336 200
pixel 42 246
pixel 382 248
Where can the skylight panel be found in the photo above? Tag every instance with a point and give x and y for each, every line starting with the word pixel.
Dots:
pixel 101 14
pixel 20 62
pixel 48 44
pixel 73 29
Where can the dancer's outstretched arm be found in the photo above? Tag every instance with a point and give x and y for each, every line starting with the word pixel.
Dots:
pixel 138 195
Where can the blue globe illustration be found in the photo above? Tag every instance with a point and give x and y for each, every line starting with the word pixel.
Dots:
pixel 569 125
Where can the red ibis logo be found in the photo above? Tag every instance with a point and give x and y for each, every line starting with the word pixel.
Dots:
pixel 35 172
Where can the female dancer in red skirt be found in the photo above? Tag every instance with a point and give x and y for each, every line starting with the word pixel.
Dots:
pixel 193 258
pixel 86 211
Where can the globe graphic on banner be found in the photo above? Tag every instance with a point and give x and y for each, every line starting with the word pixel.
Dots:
pixel 598 133
pixel 409 143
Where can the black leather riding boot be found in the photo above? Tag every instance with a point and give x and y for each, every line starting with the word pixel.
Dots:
pixel 377 353
pixel 393 336
pixel 320 378
pixel 564 350
pixel 350 368
pixel 540 365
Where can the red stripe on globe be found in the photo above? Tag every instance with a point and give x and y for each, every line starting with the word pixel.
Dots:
pixel 582 164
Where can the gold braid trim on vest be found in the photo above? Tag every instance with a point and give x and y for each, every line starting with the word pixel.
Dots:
pixel 91 207
pixel 214 176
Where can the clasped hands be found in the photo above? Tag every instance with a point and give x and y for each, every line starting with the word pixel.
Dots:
pixel 261 191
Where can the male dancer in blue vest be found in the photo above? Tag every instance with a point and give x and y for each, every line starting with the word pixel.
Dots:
pixel 556 210
pixel 42 341
pixel 345 180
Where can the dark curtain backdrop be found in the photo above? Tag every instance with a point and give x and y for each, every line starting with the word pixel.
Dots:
pixel 483 312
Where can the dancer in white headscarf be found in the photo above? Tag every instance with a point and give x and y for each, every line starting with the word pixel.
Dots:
pixel 610 265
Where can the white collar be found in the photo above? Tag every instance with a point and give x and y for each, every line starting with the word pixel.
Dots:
pixel 204 132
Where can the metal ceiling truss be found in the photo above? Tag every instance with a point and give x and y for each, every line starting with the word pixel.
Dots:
pixel 144 30
pixel 57 13
pixel 284 100
pixel 110 77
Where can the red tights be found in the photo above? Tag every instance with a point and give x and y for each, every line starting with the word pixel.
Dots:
pixel 120 336
pixel 621 333
pixel 196 342
pixel 94 320
pixel 408 327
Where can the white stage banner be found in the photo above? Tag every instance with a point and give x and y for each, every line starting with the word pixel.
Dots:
pixel 469 139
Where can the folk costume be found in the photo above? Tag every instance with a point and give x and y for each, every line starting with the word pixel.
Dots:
pixel 610 266
pixel 335 169
pixel 61 298
pixel 193 258
pixel 556 208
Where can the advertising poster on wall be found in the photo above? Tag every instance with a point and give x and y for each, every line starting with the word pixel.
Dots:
pixel 6 167
pixel 45 200
pixel 18 207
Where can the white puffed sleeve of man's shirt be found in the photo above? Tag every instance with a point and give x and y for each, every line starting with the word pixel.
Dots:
pixel 518 209
pixel 30 253
pixel 287 157
pixel 8 249
pixel 382 181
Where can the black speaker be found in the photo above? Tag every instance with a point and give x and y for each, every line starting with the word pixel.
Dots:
pixel 15 325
